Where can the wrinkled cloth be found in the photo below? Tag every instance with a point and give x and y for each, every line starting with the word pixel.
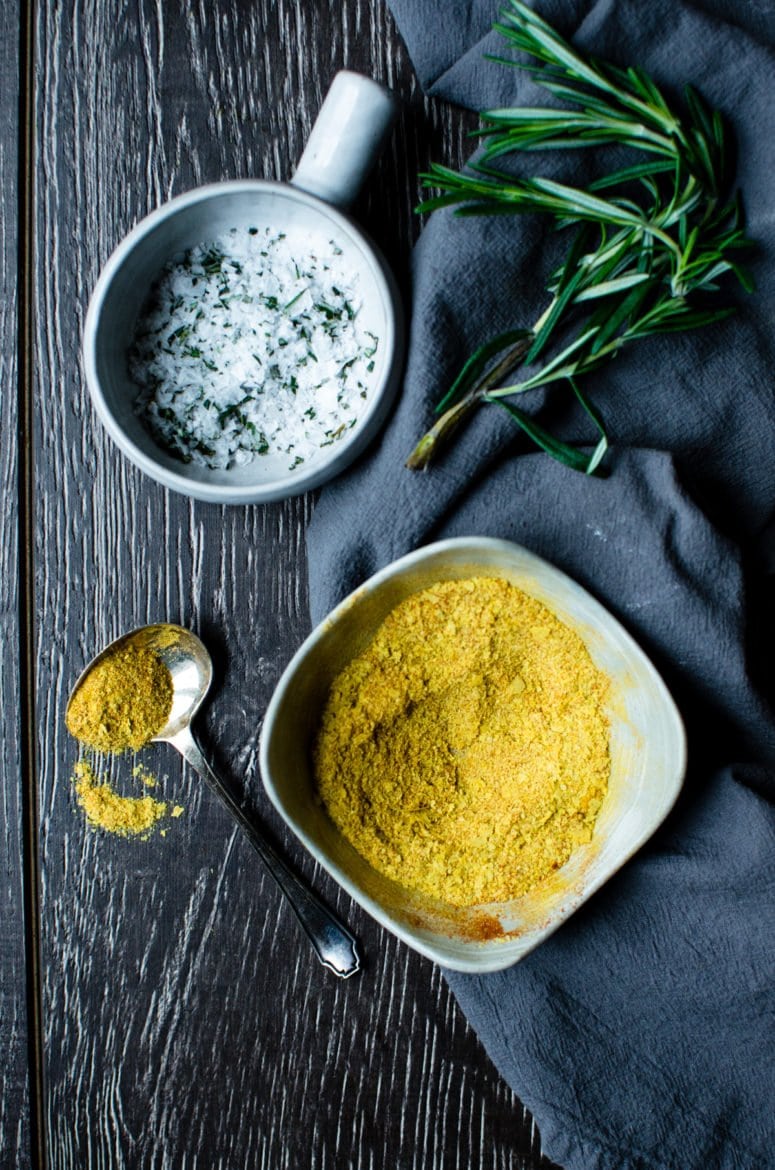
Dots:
pixel 641 1033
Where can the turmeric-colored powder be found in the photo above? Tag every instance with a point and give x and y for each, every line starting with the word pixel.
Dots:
pixel 141 773
pixel 465 753
pixel 128 816
pixel 123 702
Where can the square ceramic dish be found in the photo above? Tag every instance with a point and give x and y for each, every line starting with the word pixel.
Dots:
pixel 648 756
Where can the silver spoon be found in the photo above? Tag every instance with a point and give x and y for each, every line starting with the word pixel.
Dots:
pixel 191 668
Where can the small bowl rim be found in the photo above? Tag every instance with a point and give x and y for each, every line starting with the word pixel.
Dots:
pixel 344 452
pixel 486 956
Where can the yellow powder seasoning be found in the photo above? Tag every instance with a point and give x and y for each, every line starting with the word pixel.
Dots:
pixel 123 702
pixel 465 753
pixel 141 773
pixel 128 816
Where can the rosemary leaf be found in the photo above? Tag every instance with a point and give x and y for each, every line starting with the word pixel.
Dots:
pixel 564 453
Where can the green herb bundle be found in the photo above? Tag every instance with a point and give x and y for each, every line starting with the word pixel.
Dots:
pixel 650 241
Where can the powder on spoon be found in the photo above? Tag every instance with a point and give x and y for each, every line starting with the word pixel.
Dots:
pixel 123 702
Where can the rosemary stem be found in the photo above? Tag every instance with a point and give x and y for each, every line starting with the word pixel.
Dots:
pixel 429 444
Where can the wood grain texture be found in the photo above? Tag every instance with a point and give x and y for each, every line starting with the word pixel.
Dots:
pixel 187 1024
pixel 15 1137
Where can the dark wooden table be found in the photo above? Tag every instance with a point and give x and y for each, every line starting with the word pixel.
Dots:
pixel 159 1007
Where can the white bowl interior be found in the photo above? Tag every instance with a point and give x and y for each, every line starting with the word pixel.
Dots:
pixel 647 756
pixel 137 264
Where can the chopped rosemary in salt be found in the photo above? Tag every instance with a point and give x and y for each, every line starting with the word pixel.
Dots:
pixel 251 345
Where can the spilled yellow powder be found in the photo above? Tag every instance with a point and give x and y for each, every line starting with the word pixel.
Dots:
pixel 128 816
pixel 140 772
pixel 465 753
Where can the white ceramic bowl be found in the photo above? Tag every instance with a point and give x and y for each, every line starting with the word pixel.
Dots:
pixel 345 140
pixel 648 756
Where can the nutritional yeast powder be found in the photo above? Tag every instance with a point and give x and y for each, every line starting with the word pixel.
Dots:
pixel 465 754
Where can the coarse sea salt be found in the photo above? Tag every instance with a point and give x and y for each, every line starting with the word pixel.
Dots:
pixel 251 346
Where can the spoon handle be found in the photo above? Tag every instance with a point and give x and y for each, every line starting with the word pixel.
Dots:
pixel 335 946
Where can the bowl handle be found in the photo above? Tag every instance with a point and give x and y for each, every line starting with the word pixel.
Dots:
pixel 347 138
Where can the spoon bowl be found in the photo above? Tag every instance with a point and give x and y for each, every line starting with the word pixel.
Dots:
pixel 191 671
pixel 186 658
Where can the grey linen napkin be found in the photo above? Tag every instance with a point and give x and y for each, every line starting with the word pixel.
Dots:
pixel 641 1034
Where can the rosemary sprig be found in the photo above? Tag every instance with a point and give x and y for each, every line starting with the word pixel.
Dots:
pixel 651 239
